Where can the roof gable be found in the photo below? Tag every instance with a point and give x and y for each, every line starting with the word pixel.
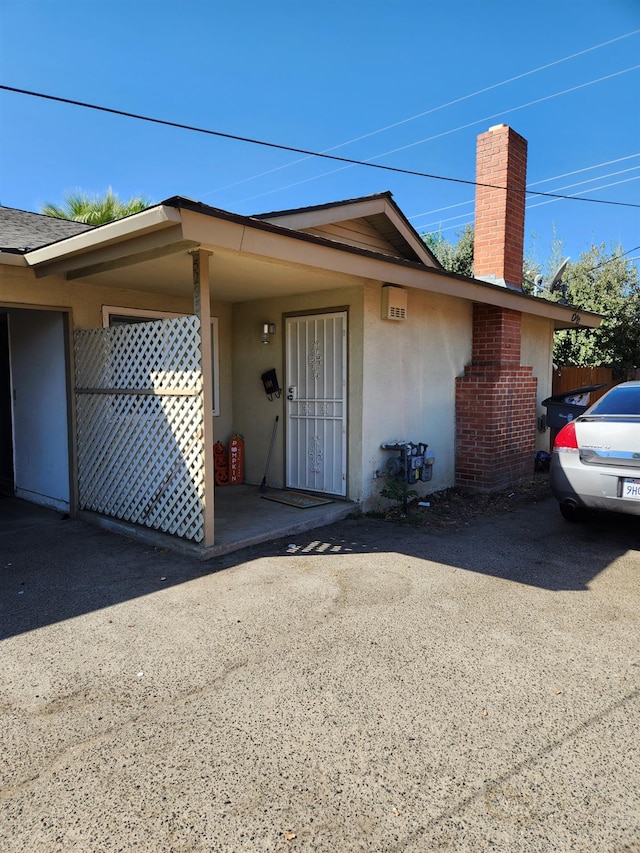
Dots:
pixel 374 222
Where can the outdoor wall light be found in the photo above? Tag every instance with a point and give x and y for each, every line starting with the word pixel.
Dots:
pixel 268 329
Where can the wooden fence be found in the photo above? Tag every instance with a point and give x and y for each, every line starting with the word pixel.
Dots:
pixel 568 378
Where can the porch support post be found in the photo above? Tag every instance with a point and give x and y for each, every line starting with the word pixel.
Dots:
pixel 202 308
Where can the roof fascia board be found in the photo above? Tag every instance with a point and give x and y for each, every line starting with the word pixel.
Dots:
pixel 13 259
pixel 326 215
pixel 411 236
pixel 215 229
pixel 152 219
pixel 221 232
pixel 114 255
pixel 137 255
pixel 328 204
pixel 268 241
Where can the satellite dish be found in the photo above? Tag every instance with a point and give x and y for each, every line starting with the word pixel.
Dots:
pixel 538 286
pixel 556 281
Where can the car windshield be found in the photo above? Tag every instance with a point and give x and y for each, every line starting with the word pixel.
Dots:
pixel 619 401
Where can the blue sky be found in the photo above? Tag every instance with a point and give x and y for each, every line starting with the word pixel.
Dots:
pixel 314 76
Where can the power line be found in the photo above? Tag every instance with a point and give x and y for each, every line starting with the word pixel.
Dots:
pixel 510 110
pixel 263 143
pixel 591 189
pixel 584 169
pixel 614 258
pixel 369 160
pixel 535 184
pixel 425 228
pixel 550 201
pixel 430 111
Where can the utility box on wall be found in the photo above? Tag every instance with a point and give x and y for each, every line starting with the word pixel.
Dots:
pixel 394 303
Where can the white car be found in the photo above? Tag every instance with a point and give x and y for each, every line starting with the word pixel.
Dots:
pixel 595 464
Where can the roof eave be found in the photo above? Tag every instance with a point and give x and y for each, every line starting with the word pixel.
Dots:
pixel 12 258
pixel 152 219
pixel 268 242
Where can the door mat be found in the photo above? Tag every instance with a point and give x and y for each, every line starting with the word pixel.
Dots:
pixel 296 499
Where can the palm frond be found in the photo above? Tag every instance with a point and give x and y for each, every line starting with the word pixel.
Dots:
pixel 96 209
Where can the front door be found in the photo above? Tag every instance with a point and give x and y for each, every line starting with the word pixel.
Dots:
pixel 316 384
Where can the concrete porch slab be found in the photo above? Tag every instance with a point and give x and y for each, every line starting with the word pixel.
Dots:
pixel 242 519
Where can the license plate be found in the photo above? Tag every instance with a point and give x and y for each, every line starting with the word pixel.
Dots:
pixel 631 489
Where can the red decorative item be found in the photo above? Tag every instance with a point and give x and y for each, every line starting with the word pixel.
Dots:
pixel 220 465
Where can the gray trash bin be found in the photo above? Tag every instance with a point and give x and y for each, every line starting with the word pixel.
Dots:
pixel 560 412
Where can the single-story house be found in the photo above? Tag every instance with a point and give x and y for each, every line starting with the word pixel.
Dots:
pixel 127 350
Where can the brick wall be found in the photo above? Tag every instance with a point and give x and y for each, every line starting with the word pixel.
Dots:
pixel 497 334
pixel 495 406
pixel 501 160
pixel 496 396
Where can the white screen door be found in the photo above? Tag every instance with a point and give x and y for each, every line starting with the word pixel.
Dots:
pixel 316 383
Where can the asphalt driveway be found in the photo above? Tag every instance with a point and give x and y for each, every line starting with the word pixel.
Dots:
pixel 362 687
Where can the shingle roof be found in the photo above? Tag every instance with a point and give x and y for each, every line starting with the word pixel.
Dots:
pixel 21 230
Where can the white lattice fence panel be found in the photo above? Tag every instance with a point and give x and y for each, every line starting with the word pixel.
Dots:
pixel 140 424
pixel 160 355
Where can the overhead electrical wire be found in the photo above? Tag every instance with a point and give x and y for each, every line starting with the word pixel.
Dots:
pixel 584 169
pixel 610 260
pixel 534 184
pixel 510 110
pixel 429 111
pixel 263 143
pixel 614 258
pixel 369 160
pixel 433 227
pixel 592 189
pixel 549 201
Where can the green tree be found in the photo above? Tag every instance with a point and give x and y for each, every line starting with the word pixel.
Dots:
pixel 455 257
pixel 600 280
pixel 95 209
pixel 607 283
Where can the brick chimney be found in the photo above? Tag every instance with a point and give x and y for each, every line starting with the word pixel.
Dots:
pixel 496 396
pixel 501 161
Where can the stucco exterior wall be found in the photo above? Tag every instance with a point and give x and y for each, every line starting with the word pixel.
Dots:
pixel 223 423
pixel 401 374
pixel 537 352
pixel 409 383
pixel 254 414
pixel 85 300
pixel 20 287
